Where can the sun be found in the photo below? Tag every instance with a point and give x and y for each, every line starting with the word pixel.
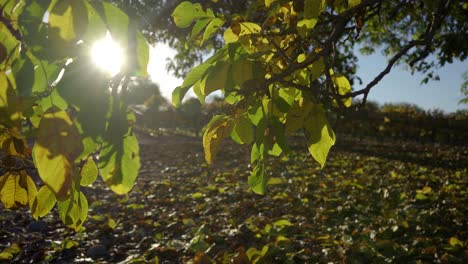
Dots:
pixel 108 55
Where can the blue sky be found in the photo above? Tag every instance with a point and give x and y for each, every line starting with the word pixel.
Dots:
pixel 398 86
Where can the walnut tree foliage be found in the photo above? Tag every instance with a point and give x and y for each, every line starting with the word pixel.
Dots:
pixel 51 94
pixel 282 66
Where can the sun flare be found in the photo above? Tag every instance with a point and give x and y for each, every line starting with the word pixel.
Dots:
pixel 108 55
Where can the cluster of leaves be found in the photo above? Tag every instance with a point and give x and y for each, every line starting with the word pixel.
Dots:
pixel 276 76
pixel 52 96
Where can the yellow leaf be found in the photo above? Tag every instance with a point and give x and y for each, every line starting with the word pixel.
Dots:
pixel 237 30
pixel 16 189
pixel 321 137
pixel 69 18
pixel 89 172
pixel 343 86
pixel 43 202
pixel 455 242
pixel 217 130
pixel 58 144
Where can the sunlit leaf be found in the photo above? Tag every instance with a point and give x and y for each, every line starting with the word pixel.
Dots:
pixel 216 131
pixel 16 189
pixel 43 203
pixel 242 71
pixel 185 13
pixel 74 210
pixel 69 18
pixel 258 180
pixel 353 3
pixel 211 28
pixel 119 160
pixel 242 131
pixel 313 8
pixel 321 136
pixel 199 26
pixel 215 79
pixel 237 30
pixel 343 86
pixel 89 172
pixel 58 143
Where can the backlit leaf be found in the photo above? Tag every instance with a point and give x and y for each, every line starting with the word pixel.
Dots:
pixel 242 71
pixel 16 189
pixel 43 202
pixel 242 132
pixel 353 3
pixel 69 18
pixel 212 27
pixel 216 131
pixel 321 136
pixel 119 160
pixel 343 86
pixel 215 79
pixel 185 13
pixel 237 30
pixel 313 8
pixel 58 143
pixel 89 172
pixel 74 210
pixel 258 180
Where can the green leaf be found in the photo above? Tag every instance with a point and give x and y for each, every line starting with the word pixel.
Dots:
pixel 212 27
pixel 215 79
pixel 282 223
pixel 242 71
pixel 9 252
pixel 269 2
pixel 185 13
pixel 9 46
pixel 216 131
pixel 119 160
pixel 74 210
pixel 89 96
pixel 178 94
pixel 243 132
pixel 58 144
pixel 298 112
pixel 142 53
pixel 321 136
pixel 43 202
pixel 69 18
pixel 343 86
pixel 255 114
pixel 117 22
pixel 353 3
pixel 89 172
pixel 199 26
pixel 195 74
pixel 317 69
pixel 313 8
pixel 24 76
pixel 258 179
pixel 97 29
pixel 256 152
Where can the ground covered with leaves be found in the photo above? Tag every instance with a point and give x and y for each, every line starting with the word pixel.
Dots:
pixel 374 202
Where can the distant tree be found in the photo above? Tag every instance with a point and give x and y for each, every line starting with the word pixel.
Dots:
pixel 464 89
pixel 192 116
